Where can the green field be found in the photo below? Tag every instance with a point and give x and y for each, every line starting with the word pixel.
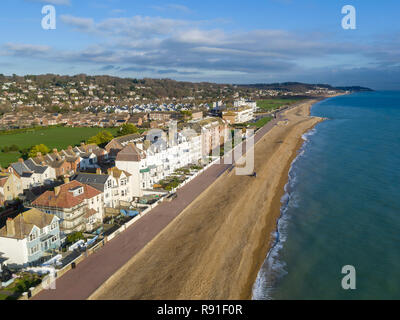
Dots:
pixel 262 122
pixel 56 137
pixel 272 104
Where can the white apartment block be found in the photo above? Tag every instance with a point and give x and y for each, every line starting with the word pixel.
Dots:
pixel 238 115
pixel 151 162
pixel 116 185
pixel 243 102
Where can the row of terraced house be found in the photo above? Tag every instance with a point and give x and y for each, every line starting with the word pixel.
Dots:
pixel 79 183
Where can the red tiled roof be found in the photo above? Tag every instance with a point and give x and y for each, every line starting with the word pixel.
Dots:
pixel 3 181
pixel 65 198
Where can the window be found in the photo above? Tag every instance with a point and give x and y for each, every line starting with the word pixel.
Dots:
pixel 34 249
pixel 33 236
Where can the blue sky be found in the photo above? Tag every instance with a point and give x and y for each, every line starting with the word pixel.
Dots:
pixel 220 41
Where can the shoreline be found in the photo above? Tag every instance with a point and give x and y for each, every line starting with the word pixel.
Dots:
pixel 280 194
pixel 277 207
pixel 172 265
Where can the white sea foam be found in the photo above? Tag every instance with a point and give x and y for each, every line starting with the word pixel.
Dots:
pixel 273 268
pixel 308 134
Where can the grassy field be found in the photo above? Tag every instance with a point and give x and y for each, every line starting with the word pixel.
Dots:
pixel 272 104
pixel 59 137
pixel 262 122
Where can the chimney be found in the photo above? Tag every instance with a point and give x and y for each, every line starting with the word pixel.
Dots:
pixel 70 148
pixel 10 228
pixel 57 191
pixel 98 171
pixel 82 144
pixel 66 180
pixel 20 160
pixel 39 154
pixel 55 150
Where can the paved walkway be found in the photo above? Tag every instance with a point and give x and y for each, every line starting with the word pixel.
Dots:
pixel 92 272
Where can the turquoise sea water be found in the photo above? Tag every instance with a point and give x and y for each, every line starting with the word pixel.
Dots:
pixel 342 206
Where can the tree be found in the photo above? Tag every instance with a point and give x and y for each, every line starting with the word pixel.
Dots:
pixel 14 147
pixel 101 138
pixel 74 237
pixel 187 114
pixel 127 128
pixel 43 149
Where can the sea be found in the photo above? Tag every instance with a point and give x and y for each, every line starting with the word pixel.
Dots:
pixel 341 207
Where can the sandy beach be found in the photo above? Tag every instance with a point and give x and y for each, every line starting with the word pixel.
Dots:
pixel 216 246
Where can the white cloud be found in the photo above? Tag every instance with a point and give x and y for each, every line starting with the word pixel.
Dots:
pixel 182 47
pixel 85 24
pixel 19 49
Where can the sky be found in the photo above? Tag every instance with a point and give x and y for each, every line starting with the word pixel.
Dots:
pixel 253 41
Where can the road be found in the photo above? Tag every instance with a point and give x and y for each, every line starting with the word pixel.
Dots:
pixel 92 272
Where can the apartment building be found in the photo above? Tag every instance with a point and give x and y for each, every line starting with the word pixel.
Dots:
pixel 245 102
pixel 115 186
pixel 117 144
pixel 238 115
pixel 79 206
pixel 158 157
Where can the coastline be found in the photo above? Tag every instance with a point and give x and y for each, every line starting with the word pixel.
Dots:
pixel 199 256
pixel 276 208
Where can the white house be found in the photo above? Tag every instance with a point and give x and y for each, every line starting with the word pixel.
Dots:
pixel 25 239
pixel 90 155
pixel 133 160
pixel 116 185
pixel 31 174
